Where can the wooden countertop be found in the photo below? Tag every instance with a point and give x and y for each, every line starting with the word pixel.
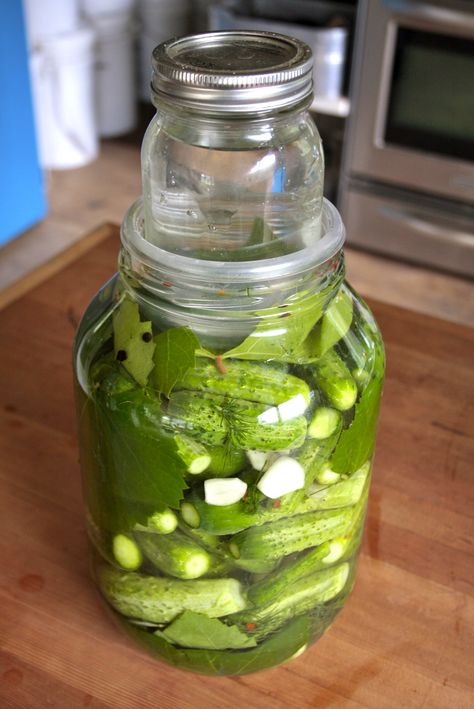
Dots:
pixel 405 638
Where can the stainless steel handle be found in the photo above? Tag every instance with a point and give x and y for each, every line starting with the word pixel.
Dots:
pixel 433 13
pixel 426 227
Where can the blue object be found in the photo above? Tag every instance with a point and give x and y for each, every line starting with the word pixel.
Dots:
pixel 22 194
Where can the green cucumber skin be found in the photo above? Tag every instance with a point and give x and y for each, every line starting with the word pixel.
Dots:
pixel 279 581
pixel 215 419
pixel 226 461
pixel 245 380
pixel 198 416
pixel 288 535
pixel 301 596
pixel 331 371
pixel 190 451
pixel 342 494
pixel 169 552
pixel 159 600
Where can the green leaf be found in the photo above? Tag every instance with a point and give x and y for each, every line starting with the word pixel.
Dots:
pixel 175 353
pixel 357 442
pixel 144 466
pixel 196 630
pixel 129 334
pixel 334 324
pixel 279 648
pixel 282 330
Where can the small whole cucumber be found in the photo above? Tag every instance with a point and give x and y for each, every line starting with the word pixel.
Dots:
pixel 317 559
pixel 335 381
pixel 301 596
pixel 198 416
pixel 175 554
pixel 251 381
pixel 288 535
pixel 215 420
pixel 159 600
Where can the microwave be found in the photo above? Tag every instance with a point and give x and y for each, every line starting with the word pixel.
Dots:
pixel 407 183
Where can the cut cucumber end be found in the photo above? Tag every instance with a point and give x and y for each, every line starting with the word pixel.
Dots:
pixel 126 552
pixel 163 522
pixel 199 464
pixel 342 393
pixel 197 565
pixel 190 515
pixel 324 423
pixel 327 476
pixel 336 550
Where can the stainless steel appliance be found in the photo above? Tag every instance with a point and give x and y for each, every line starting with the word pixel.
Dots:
pixel 407 184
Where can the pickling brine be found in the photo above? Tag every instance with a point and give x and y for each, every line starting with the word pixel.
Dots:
pixel 227 411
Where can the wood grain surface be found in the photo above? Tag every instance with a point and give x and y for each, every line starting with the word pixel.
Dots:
pixel 406 637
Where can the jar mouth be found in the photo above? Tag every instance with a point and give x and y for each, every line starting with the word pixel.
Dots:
pixel 232 72
pixel 264 271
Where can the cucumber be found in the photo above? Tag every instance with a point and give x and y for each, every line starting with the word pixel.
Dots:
pixel 162 521
pixel 226 460
pixel 250 381
pixel 288 535
pixel 301 596
pixel 324 423
pixel 193 454
pixel 159 600
pixel 341 494
pixel 222 520
pixel 126 552
pixel 216 419
pixel 175 554
pixel 199 416
pixel 335 381
pixel 276 583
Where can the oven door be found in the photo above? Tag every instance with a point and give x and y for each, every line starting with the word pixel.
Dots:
pixel 412 122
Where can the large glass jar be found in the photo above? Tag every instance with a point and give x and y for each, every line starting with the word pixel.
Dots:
pixel 228 379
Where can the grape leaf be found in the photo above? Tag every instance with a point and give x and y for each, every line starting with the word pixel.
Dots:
pixel 134 341
pixel 357 442
pixel 278 648
pixel 175 353
pixel 282 330
pixel 143 464
pixel 196 630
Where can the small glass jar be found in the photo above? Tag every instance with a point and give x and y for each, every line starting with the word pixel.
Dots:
pixel 228 379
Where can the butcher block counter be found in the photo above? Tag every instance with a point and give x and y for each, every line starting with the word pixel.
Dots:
pixel 406 636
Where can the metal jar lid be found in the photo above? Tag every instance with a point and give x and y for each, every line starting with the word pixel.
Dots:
pixel 233 72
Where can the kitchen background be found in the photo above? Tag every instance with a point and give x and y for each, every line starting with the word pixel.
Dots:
pixel 394 103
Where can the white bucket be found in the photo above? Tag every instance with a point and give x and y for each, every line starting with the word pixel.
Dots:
pixel 158 20
pixel 62 72
pixel 49 18
pixel 115 74
pixel 95 8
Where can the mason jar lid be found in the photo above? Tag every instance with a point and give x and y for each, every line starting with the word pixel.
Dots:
pixel 233 72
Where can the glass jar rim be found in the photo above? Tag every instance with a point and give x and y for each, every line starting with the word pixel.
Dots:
pixel 266 270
